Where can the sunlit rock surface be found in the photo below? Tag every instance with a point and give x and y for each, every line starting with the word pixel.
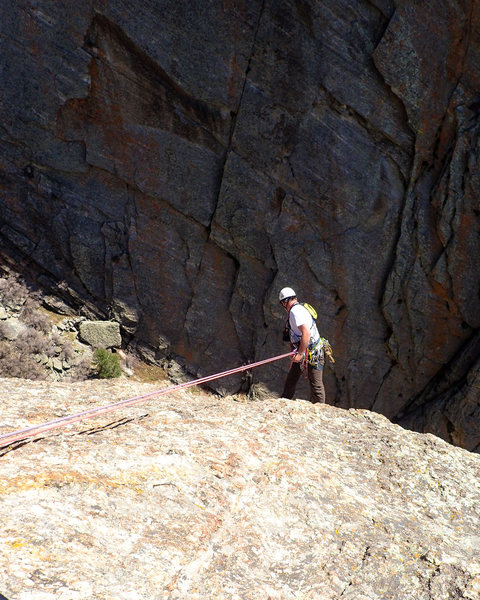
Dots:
pixel 193 496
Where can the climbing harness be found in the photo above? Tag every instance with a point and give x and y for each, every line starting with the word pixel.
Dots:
pixel 321 347
pixel 315 354
pixel 9 438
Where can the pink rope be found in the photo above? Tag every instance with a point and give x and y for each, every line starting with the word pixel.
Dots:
pixel 21 434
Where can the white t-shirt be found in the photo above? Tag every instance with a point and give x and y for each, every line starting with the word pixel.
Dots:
pixel 299 315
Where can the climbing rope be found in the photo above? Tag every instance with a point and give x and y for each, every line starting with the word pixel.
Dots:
pixel 15 436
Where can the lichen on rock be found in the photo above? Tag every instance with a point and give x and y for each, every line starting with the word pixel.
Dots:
pixel 194 496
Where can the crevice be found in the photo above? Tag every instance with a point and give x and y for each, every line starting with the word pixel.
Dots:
pixel 387 15
pixel 450 379
pixel 397 99
pixel 17 445
pixel 450 429
pixel 71 260
pixel 383 142
pixel 234 113
pixel 468 38
pixel 380 387
pixel 392 258
pixel 233 286
pixel 130 219
pixel 112 425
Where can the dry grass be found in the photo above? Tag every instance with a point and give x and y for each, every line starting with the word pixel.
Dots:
pixel 31 352
pixel 149 373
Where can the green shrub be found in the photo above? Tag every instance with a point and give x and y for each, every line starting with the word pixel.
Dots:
pixel 107 365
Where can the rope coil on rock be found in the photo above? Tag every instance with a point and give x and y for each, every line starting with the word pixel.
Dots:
pixel 22 434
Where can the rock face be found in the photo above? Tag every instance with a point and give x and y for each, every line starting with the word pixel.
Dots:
pixel 172 165
pixel 193 496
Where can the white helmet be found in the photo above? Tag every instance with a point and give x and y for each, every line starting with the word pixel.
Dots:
pixel 285 293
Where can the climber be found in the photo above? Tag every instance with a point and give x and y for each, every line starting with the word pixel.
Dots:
pixel 304 337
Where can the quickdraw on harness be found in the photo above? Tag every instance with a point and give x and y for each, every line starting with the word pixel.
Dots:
pixel 328 350
pixel 313 356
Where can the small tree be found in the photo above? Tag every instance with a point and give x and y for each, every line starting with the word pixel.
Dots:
pixel 107 365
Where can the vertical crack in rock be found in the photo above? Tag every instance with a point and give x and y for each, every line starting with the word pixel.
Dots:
pixel 387 11
pixel 234 112
pixel 130 220
pixel 390 267
pixel 234 115
pixel 386 296
pixel 450 381
pixel 430 219
pixel 80 259
pixel 222 169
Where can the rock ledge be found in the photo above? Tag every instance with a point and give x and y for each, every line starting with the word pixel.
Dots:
pixel 193 496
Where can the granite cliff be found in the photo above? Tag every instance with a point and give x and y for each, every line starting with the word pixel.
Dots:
pixel 171 165
pixel 192 496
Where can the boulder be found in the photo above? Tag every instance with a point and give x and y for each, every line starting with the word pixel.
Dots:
pixel 11 328
pixel 100 334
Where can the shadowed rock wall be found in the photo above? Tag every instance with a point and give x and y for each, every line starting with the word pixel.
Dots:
pixel 176 164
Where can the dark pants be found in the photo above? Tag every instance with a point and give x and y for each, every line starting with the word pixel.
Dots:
pixel 315 378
